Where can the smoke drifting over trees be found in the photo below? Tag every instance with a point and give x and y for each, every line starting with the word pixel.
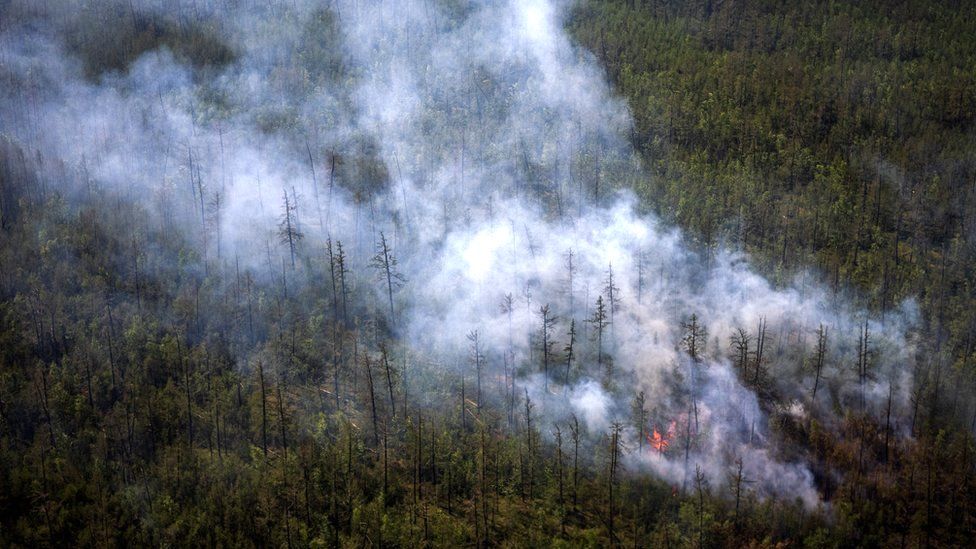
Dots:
pixel 423 207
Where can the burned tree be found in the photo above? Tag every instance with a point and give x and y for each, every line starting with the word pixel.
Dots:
pixel 600 322
pixel 334 276
pixel 863 360
pixel 215 216
pixel 559 460
pixel 529 446
pixel 264 410
pixel 386 263
pixel 612 292
pixel 343 272
pixel 288 231
pixel 640 417
pixel 570 277
pixel 694 338
pixel 736 481
pixel 569 348
pixel 758 354
pixel 640 276
pixel 548 321
pixel 700 487
pixel 614 463
pixel 477 356
pixel 693 341
pixel 508 309
pixel 574 429
pixel 818 361
pixel 739 342
pixel 389 376
pixel 372 398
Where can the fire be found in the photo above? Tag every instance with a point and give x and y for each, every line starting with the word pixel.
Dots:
pixel 660 442
pixel 657 441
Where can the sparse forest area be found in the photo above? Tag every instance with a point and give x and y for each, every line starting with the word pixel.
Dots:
pixel 323 274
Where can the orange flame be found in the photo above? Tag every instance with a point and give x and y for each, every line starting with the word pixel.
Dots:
pixel 660 442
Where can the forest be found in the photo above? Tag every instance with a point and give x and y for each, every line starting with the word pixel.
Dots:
pixel 476 273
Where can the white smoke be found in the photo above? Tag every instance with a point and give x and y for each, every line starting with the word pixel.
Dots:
pixel 502 151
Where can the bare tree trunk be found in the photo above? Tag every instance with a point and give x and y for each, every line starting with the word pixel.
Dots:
pixel 372 398
pixel 612 479
pixel 186 385
pixel 574 428
pixel 819 361
pixel 281 414
pixel 389 378
pixel 559 461
pixel 264 411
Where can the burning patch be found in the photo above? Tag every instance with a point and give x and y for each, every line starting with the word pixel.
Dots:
pixel 659 441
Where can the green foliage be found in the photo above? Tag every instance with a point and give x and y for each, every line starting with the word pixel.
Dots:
pixel 132 35
pixel 836 134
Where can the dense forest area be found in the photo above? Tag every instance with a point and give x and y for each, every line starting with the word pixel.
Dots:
pixel 411 273
pixel 837 135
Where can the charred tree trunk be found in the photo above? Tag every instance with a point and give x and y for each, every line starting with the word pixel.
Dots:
pixel 264 410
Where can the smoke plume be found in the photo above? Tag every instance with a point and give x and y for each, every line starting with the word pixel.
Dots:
pixel 486 152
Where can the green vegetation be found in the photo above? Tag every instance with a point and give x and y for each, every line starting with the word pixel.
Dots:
pixel 134 34
pixel 833 135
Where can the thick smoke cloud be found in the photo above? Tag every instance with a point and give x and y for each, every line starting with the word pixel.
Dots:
pixel 489 151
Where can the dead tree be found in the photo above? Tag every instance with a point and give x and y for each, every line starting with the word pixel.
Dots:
pixel 640 417
pixel 600 322
pixel 569 348
pixel 760 349
pixel 389 377
pixel 264 410
pixel 281 413
pixel 612 292
pixel 372 397
pixel 529 440
pixel 559 459
pixel 332 170
pixel 386 263
pixel 548 321
pixel 42 394
pixel 736 480
pixel 463 409
pixel 818 361
pixel 740 342
pixel 315 185
pixel 333 277
pixel 570 277
pixel 288 231
pixel 863 353
pixel 214 216
pixel 477 356
pixel 887 436
pixel 483 482
pixel 508 308
pixel 418 462
pixel 700 486
pixel 186 385
pixel 575 431
pixel 694 339
pixel 343 272
pixel 615 430
pixel 640 276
